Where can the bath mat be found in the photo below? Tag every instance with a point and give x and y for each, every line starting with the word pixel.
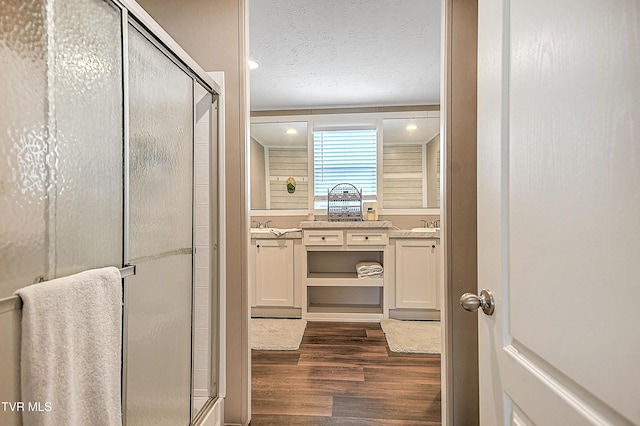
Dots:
pixel 419 337
pixel 269 334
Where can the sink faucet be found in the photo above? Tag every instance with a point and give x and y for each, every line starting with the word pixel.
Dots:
pixel 432 224
pixel 258 223
pixel 266 224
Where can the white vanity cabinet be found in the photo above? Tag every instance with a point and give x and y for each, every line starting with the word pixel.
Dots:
pixel 417 273
pixel 273 273
pixel 322 238
pixel 274 277
pixel 332 290
pixel 416 278
pixel 367 238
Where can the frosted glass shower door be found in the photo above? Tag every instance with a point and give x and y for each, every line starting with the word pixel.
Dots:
pixel 23 66
pixel 60 139
pixel 158 298
pixel 87 149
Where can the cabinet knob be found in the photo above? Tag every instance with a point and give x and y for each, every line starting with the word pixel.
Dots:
pixel 433 246
pixel 258 245
pixel 366 238
pixel 322 238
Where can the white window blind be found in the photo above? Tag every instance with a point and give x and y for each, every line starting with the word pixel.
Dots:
pixel 347 156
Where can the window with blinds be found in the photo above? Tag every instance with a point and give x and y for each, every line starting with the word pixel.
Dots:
pixel 343 156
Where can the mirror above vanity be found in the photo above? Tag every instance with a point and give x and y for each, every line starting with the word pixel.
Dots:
pixel 279 166
pixel 411 163
pixel 393 156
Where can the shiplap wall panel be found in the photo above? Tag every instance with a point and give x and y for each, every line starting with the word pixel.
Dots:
pixel 281 199
pixel 288 162
pixel 403 193
pixel 285 163
pixel 402 176
pixel 402 158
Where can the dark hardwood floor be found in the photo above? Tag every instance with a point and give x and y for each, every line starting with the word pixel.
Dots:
pixel 344 374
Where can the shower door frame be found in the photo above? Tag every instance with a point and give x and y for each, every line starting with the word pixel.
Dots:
pixel 133 15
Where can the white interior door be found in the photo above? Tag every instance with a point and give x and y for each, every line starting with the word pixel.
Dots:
pixel 559 211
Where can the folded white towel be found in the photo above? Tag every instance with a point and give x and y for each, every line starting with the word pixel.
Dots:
pixel 369 270
pixel 371 275
pixel 71 349
pixel 368 266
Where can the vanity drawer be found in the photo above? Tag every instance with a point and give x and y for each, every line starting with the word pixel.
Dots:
pixel 329 237
pixel 367 238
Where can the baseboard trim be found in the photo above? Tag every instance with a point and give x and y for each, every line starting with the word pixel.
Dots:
pixel 414 314
pixel 275 312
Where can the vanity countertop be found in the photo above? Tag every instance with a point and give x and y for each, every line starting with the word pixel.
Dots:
pixel 268 235
pixel 366 224
pixel 393 233
pixel 407 233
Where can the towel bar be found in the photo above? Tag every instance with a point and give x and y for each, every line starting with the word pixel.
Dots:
pixel 12 303
pixel 127 271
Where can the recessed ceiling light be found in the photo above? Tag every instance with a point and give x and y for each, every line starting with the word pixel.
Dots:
pixel 412 127
pixel 253 64
pixel 292 131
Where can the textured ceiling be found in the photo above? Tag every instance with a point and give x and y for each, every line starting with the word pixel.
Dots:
pixel 344 53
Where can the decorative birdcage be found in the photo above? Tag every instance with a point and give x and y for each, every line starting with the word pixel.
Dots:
pixel 344 203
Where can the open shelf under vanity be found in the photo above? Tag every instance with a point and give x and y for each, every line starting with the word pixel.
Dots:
pixel 333 289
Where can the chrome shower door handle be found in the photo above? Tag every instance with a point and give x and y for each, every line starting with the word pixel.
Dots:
pixel 472 303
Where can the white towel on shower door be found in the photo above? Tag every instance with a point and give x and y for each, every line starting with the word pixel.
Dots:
pixel 71 349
